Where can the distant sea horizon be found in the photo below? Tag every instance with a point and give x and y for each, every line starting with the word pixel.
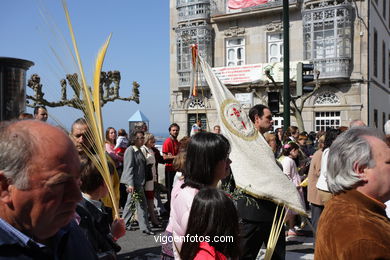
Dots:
pixel 160 137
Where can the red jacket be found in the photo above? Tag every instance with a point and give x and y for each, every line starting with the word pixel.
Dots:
pixel 207 252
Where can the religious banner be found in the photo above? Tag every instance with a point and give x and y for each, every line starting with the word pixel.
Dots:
pixel 253 163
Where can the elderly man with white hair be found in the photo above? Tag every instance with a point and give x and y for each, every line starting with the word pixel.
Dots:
pixel 354 223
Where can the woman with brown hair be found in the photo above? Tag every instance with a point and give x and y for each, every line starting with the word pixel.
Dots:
pixel 291 134
pixel 110 144
pixel 180 159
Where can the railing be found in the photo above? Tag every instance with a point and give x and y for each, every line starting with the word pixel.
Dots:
pixel 199 9
pixel 333 67
pixel 184 79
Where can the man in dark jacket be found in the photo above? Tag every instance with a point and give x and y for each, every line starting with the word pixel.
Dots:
pixel 256 215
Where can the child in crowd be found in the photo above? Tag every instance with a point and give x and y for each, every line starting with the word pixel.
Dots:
pixel 212 235
pixel 121 142
pixel 206 163
pixel 95 221
pixel 291 152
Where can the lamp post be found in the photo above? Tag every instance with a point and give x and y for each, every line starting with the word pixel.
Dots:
pixel 13 86
pixel 286 66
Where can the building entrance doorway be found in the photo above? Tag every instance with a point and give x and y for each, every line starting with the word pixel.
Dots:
pixel 192 120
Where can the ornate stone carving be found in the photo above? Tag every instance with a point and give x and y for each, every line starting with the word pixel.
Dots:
pixel 234 31
pixel 197 103
pixel 327 98
pixel 274 26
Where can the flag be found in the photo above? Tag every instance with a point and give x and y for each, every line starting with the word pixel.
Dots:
pixel 253 163
pixel 194 71
pixel 238 4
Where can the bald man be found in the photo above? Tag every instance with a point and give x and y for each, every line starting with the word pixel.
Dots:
pixel 39 191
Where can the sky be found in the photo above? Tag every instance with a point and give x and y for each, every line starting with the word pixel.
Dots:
pixel 36 30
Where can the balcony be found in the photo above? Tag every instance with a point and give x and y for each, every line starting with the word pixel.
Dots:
pixel 333 67
pixel 193 10
pixel 184 80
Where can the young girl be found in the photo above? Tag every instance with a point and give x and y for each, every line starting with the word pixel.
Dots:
pixel 207 222
pixel 207 162
pixel 291 152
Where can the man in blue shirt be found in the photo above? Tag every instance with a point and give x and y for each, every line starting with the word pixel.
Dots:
pixel 39 191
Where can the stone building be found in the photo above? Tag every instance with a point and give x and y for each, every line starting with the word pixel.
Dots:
pixel 348 41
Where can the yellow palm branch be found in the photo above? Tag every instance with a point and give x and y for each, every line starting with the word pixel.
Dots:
pixel 92 111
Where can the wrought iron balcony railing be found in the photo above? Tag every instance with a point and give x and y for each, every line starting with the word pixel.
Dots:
pixel 193 10
pixel 333 67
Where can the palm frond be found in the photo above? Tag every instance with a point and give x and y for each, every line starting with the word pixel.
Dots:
pixel 90 104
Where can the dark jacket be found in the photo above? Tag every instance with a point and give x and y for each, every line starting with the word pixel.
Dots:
pixel 68 243
pixel 96 227
pixel 256 210
pixel 250 208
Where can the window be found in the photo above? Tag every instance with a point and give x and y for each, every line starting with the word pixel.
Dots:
pixel 278 122
pixel 194 9
pixel 275 47
pixel 186 35
pixel 327 37
pixel 235 52
pixel 196 103
pixel 376 118
pixel 327 98
pixel 192 118
pixel 375 53
pixel 383 120
pixel 325 120
pixel 327 33
pixel 383 62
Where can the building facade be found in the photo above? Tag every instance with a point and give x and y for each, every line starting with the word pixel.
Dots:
pixel 348 41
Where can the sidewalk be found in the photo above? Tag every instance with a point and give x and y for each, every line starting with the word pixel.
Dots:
pixel 137 246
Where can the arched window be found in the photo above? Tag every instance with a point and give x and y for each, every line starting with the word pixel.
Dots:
pixel 327 98
pixel 196 103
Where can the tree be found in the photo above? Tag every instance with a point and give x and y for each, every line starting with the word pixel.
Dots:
pixel 297 109
pixel 298 103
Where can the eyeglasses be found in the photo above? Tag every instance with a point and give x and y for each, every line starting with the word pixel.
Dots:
pixel 140 138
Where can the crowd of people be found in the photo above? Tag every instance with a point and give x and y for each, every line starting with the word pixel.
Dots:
pixel 53 199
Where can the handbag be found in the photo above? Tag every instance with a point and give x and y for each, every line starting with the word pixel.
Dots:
pixel 148 172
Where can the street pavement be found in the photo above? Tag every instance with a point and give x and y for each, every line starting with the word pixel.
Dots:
pixel 138 246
